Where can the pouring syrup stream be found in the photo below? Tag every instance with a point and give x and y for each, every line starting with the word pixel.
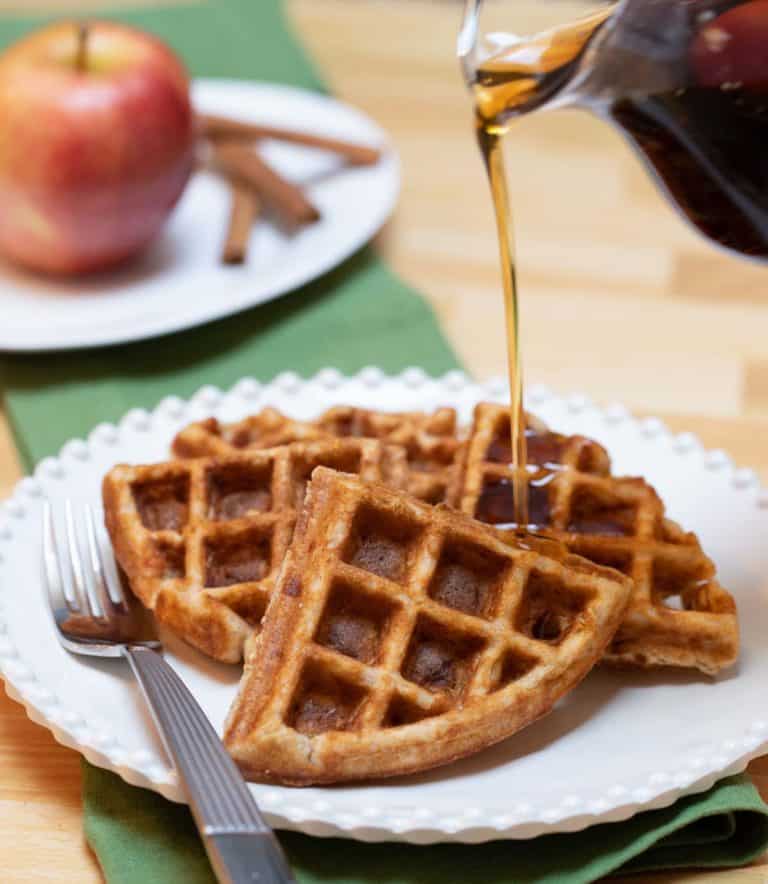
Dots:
pixel 507 85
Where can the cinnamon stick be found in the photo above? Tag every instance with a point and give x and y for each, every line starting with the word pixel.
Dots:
pixel 217 127
pixel 243 212
pixel 286 199
pixel 81 53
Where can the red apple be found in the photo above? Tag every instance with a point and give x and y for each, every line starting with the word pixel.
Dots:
pixel 96 145
pixel 731 48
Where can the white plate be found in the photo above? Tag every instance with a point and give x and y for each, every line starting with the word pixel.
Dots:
pixel 180 281
pixel 619 743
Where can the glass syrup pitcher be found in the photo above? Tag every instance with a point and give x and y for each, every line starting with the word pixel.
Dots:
pixel 686 81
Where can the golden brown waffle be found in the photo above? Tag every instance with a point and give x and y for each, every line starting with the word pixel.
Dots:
pixel 430 442
pixel 429 439
pixel 679 614
pixel 403 636
pixel 267 429
pixel 201 540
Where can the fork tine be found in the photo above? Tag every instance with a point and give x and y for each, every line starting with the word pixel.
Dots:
pixel 58 594
pixel 110 595
pixel 80 585
pixel 112 576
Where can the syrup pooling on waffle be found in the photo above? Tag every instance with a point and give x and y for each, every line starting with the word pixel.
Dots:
pixel 429 439
pixel 551 457
pixel 679 614
pixel 201 540
pixel 402 636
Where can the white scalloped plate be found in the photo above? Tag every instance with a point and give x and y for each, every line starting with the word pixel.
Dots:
pixel 621 742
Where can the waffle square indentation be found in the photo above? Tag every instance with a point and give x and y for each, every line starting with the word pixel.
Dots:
pixel 496 504
pixel 236 490
pixel 381 543
pixel 402 711
pixel 430 456
pixel 440 659
pixel 344 460
pixel 543 447
pixel 168 560
pixel 468 578
pixel 163 504
pixel 354 623
pixel 618 559
pixel 512 666
pixel 239 557
pixel 594 512
pixel 324 702
pixel 548 608
pixel 431 490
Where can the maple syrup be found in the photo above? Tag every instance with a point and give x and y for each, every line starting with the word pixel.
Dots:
pixel 701 142
pixel 506 86
pixel 491 149
pixel 687 82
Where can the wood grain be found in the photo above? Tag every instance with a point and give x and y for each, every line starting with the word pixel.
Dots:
pixel 620 299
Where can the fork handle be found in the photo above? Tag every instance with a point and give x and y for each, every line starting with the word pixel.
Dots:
pixel 241 846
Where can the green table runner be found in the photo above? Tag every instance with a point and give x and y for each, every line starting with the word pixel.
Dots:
pixel 141 839
pixel 357 315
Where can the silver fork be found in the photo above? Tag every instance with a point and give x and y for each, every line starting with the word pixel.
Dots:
pixel 94 617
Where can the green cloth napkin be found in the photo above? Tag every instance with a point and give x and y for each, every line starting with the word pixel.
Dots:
pixel 357 315
pixel 133 832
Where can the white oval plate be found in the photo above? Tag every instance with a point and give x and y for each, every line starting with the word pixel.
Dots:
pixel 619 743
pixel 180 281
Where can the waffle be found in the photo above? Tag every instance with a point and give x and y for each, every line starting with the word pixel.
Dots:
pixel 679 614
pixel 201 540
pixel 267 429
pixel 403 636
pixel 429 439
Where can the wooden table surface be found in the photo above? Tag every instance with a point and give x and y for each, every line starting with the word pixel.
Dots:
pixel 621 300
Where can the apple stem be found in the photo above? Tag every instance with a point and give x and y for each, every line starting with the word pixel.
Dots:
pixel 81 58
